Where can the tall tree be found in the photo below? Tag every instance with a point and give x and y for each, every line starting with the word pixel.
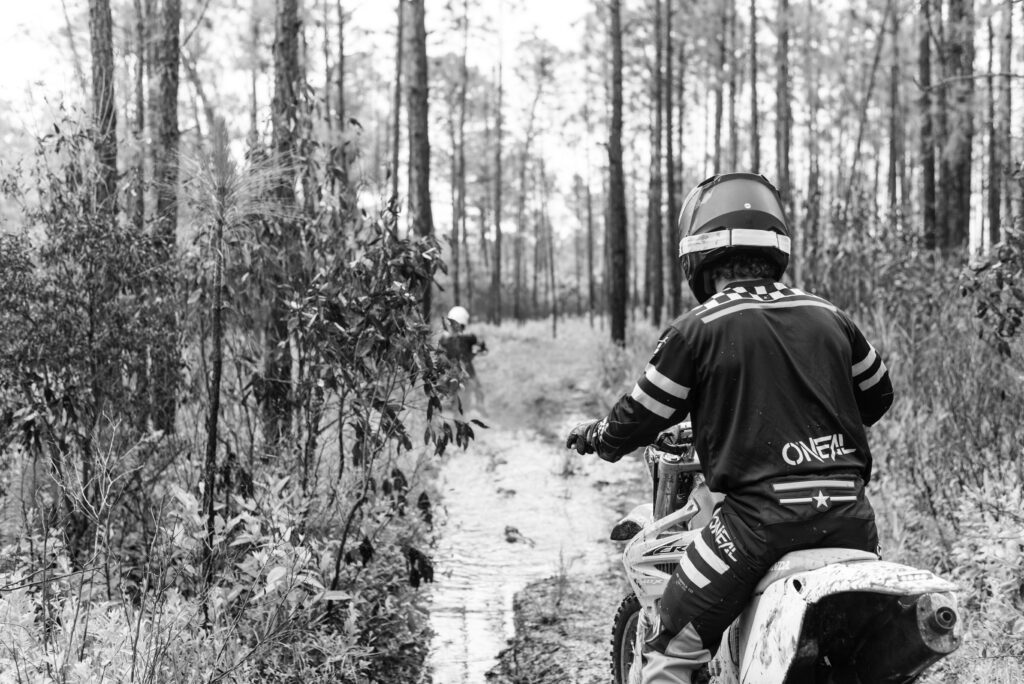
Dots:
pixel 926 141
pixel 496 262
pixel 284 110
pixel 960 58
pixel 655 271
pixel 419 140
pixel 1006 107
pixel 719 85
pixel 783 114
pixel 755 133
pixel 459 218
pixel 994 175
pixel 341 113
pixel 104 111
pixel 137 192
pixel 733 72
pixel 166 137
pixel 671 238
pixel 616 221
pixel 396 108
pixel 164 117
pixel 895 185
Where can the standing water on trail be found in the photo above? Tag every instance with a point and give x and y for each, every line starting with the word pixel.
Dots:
pixel 512 518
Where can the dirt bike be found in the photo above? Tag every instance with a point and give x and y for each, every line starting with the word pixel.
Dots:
pixel 825 615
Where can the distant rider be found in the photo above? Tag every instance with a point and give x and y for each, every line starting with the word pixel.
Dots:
pixel 779 385
pixel 461 346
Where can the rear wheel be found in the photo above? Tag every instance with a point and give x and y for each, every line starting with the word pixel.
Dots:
pixel 627 617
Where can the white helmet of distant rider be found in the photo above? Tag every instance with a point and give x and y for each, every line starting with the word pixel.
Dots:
pixel 459 315
pixel 726 215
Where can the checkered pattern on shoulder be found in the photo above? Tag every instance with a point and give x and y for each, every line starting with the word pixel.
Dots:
pixel 740 298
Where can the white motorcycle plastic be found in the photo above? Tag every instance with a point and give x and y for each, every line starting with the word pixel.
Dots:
pixel 828 615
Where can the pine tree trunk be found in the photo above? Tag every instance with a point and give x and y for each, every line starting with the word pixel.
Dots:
pixel 812 219
pixel 994 162
pixel 138 190
pixel 961 60
pixel 927 144
pixel 277 388
pixel 783 115
pixel 164 119
pixel 396 108
pixel 655 270
pixel 496 263
pixel 895 123
pixel 419 143
pixel 671 236
pixel 104 111
pixel 755 118
pixel 719 85
pixel 734 151
pixel 1005 109
pixel 166 136
pixel 616 229
pixel 341 114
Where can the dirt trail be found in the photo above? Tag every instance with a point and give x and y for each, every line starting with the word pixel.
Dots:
pixel 527 523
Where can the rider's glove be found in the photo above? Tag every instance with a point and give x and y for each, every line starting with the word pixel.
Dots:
pixel 585 436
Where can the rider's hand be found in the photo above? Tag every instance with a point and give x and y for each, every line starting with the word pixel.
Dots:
pixel 583 438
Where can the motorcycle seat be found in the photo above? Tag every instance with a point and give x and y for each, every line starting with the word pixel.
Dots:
pixel 809 559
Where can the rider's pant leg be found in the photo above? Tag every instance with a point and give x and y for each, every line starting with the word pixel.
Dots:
pixel 706 592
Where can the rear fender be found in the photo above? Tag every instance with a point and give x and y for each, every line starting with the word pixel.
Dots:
pixel 771 625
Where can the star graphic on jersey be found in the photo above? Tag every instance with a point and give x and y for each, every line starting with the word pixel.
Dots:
pixel 820 501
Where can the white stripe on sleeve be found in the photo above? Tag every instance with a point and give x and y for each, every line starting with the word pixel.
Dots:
pixel 873 380
pixel 664 383
pixel 864 363
pixel 650 403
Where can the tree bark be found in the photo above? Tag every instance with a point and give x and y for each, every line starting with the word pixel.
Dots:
pixel 419 142
pixel 342 114
pixel 961 62
pixel 994 201
pixel 496 263
pixel 895 124
pixel 138 187
pixel 719 85
pixel 164 120
pixel 1005 108
pixel 755 134
pixel 104 111
pixel 655 271
pixel 616 229
pixel 671 237
pixel 731 108
pixel 783 115
pixel 277 388
pixel 396 109
pixel 927 143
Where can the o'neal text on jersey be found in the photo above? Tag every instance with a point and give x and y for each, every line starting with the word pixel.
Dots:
pixel 819 449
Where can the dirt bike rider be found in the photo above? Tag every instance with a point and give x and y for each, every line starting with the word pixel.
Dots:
pixel 461 346
pixel 779 385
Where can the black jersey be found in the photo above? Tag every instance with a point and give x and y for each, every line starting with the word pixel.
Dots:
pixel 460 347
pixel 777 383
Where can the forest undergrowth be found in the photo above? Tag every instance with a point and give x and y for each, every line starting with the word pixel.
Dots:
pixel 254 511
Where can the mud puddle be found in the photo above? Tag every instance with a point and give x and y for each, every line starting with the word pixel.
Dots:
pixel 516 511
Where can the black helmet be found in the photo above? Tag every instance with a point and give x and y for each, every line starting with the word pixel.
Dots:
pixel 728 214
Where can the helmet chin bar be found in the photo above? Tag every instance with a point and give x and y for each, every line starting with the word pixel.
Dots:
pixel 734 237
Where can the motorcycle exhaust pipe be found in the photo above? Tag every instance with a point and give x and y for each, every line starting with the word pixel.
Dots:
pixel 917 636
